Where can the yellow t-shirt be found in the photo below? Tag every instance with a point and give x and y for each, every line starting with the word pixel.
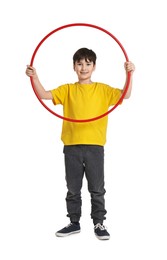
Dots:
pixel 85 101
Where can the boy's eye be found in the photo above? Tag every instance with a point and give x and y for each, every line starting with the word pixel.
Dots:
pixel 80 64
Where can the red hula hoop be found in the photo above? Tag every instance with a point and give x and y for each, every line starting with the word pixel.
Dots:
pixel 128 75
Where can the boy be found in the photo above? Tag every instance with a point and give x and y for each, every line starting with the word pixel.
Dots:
pixel 84 142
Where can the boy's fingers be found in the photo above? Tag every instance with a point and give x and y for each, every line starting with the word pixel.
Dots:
pixel 30 67
pixel 30 71
pixel 129 66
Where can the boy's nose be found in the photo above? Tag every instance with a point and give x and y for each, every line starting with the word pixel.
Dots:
pixel 83 67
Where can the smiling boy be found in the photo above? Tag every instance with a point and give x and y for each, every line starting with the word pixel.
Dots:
pixel 84 142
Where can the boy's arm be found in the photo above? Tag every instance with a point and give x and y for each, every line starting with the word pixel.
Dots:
pixel 129 67
pixel 43 94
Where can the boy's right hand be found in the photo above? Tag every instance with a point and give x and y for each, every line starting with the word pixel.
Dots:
pixel 31 71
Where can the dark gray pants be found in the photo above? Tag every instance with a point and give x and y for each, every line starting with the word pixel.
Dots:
pixel 88 159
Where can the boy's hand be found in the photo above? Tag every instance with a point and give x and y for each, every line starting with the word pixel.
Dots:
pixel 31 71
pixel 129 66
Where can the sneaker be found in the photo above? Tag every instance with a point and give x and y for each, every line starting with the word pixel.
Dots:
pixel 101 232
pixel 72 228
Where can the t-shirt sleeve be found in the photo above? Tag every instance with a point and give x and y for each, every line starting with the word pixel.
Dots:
pixel 113 95
pixel 59 94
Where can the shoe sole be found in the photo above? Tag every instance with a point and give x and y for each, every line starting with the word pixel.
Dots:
pixel 103 237
pixel 67 234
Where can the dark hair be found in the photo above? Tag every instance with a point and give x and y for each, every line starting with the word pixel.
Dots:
pixel 86 54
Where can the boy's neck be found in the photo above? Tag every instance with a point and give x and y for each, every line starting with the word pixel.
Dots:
pixel 85 81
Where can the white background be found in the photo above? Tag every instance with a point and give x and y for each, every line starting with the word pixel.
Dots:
pixel 32 184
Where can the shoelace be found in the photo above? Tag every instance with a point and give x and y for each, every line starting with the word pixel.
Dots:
pixel 68 225
pixel 98 225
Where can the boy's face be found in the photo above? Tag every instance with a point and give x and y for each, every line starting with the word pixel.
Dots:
pixel 84 70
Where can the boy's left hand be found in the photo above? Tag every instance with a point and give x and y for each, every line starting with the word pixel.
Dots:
pixel 129 66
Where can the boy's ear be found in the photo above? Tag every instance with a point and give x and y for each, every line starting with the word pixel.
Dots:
pixel 74 67
pixel 94 67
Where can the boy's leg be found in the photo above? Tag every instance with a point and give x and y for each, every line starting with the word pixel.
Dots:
pixel 74 175
pixel 94 170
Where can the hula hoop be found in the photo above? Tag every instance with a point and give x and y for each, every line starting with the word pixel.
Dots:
pixel 128 74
